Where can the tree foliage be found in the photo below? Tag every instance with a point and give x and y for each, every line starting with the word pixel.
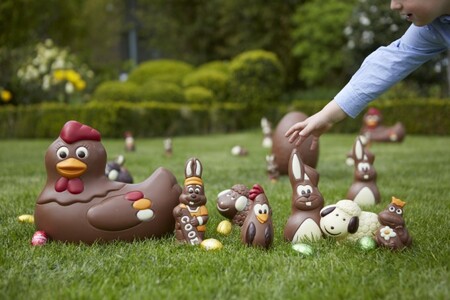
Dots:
pixel 319 40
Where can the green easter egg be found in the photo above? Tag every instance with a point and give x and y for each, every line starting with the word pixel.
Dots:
pixel 304 249
pixel 367 243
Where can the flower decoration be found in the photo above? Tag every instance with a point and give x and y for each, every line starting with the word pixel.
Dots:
pixel 387 233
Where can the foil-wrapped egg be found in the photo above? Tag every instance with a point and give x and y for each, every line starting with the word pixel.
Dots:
pixel 39 238
pixel 211 244
pixel 26 218
pixel 304 249
pixel 224 227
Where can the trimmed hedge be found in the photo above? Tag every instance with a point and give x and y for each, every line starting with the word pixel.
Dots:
pixel 117 91
pixel 112 119
pixel 213 80
pixel 149 119
pixel 160 91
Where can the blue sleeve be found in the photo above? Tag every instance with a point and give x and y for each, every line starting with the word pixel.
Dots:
pixel 388 65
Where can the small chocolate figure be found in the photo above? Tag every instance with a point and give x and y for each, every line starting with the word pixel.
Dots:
pixel 266 128
pixel 168 147
pixel 392 233
pixel 375 131
pixel 272 168
pixel 191 214
pixel 307 201
pixel 257 229
pixel 364 189
pixel 115 170
pixel 234 204
pixel 130 145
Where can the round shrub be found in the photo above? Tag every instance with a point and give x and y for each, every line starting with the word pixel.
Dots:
pixel 116 91
pixel 198 94
pixel 222 66
pixel 165 70
pixel 256 78
pixel 160 91
pixel 215 81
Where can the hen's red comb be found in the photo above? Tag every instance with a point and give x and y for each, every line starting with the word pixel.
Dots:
pixel 74 131
pixel 255 191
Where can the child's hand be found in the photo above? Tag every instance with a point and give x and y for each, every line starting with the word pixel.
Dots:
pixel 315 125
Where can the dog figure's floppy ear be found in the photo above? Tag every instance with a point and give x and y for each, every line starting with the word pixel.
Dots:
pixel 327 210
pixel 353 225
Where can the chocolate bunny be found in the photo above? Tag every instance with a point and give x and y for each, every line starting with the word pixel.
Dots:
pixel 307 201
pixel 191 214
pixel 364 190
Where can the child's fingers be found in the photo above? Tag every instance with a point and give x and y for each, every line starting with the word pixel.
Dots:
pixel 296 127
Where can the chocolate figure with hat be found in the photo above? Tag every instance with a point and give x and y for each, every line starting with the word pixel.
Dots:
pixel 392 232
pixel 191 214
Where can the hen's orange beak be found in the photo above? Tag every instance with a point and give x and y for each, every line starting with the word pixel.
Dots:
pixel 71 168
pixel 262 218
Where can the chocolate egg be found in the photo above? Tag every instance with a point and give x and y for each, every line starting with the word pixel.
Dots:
pixel 367 243
pixel 282 149
pixel 224 227
pixel 211 244
pixel 26 218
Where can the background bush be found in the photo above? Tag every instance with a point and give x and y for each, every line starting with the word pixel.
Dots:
pixel 215 81
pixel 162 70
pixel 116 90
pixel 154 90
pixel 149 119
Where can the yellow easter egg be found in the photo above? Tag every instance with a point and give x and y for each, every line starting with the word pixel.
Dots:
pixel 211 244
pixel 224 227
pixel 26 218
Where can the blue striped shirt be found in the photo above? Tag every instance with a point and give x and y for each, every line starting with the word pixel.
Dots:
pixel 388 65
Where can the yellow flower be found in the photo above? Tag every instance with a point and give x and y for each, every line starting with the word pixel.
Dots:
pixel 80 84
pixel 59 75
pixel 72 76
pixel 6 95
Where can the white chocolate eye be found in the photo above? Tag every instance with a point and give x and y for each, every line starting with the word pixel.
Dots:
pixel 62 152
pixel 391 208
pixel 197 191
pixel 261 209
pixel 190 190
pixel 363 167
pixel 82 152
pixel 240 203
pixel 304 190
pixel 399 211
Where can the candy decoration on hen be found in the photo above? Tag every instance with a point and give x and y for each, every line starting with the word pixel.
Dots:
pixel 364 189
pixel 307 201
pixel 375 131
pixel 80 204
pixel 257 230
pixel 191 214
pixel 282 149
pixel 392 233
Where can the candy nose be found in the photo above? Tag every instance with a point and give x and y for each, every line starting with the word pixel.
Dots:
pixel 71 168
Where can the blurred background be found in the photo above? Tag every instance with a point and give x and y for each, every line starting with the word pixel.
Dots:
pixel 192 55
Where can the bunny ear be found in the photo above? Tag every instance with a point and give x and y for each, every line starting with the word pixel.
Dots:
pixel 120 160
pixel 296 168
pixel 189 172
pixel 358 150
pixel 198 168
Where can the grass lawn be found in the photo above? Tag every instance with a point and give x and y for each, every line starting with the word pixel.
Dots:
pixel 416 171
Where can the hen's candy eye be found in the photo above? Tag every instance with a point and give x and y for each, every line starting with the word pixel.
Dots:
pixel 391 208
pixel 399 211
pixel 82 152
pixel 62 152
